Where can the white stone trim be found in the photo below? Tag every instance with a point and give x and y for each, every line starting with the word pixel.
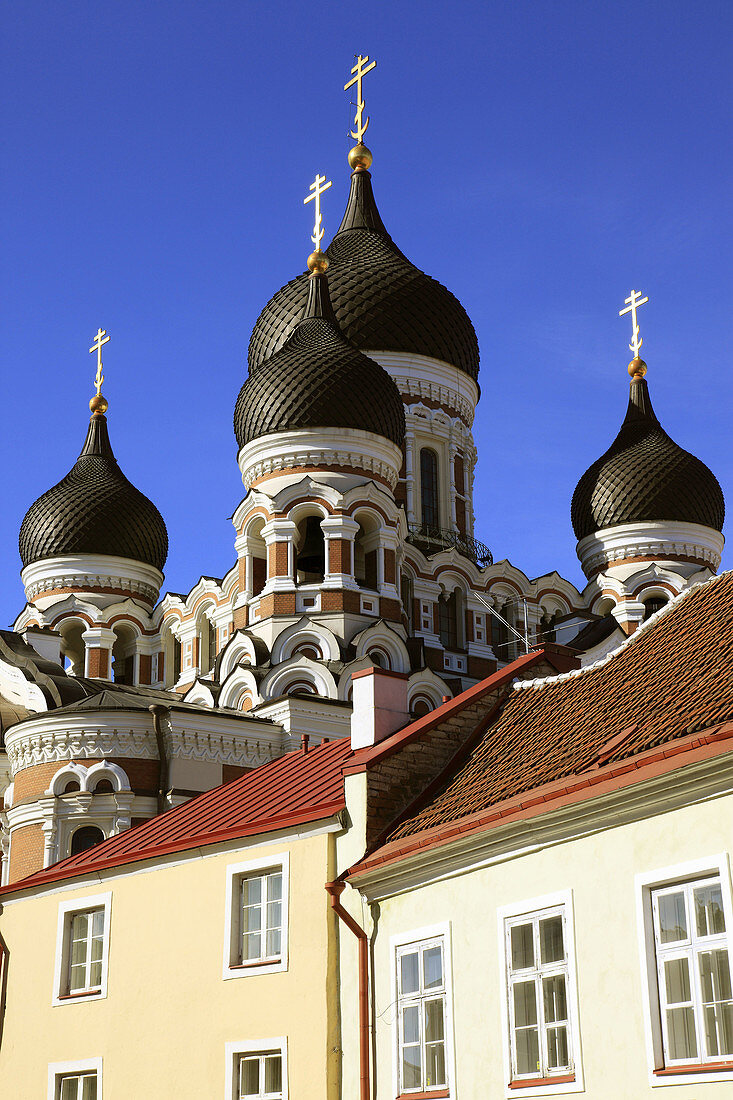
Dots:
pixel 320 447
pixel 66 911
pixel 85 1065
pixel 82 572
pixel 661 540
pixel 253 1046
pixel 422 376
pixel 235 872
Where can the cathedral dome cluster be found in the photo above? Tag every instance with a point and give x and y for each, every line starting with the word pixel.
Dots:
pixel 382 301
pixel 94 510
pixel 644 476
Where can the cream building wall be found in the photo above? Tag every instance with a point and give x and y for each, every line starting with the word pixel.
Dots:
pixel 599 871
pixel 162 1029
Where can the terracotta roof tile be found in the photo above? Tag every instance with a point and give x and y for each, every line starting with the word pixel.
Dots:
pixel 673 677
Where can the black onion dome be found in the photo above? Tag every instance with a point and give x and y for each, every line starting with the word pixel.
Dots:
pixel 94 510
pixel 381 300
pixel 318 380
pixel 644 477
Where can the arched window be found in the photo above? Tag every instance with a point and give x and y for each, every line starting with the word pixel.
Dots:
pixel 429 503
pixel 407 595
pixel 104 787
pixel 420 706
pixel 366 551
pixel 652 604
pixel 123 654
pixel 311 558
pixel 176 660
pixel 211 645
pixel 72 647
pixel 86 837
pixel 72 787
pixel 448 619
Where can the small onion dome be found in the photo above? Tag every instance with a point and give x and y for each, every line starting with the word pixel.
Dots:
pixel 318 380
pixel 645 477
pixel 94 510
pixel 381 300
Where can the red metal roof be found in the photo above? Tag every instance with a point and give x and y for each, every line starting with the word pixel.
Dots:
pixel 297 788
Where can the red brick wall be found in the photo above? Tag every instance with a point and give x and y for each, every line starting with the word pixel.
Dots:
pixel 145 668
pixel 390 567
pixel 26 852
pixel 339 556
pixel 99 663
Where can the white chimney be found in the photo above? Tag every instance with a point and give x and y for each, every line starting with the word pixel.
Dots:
pixel 380 705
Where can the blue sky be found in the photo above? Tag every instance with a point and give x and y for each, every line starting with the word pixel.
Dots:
pixel 539 158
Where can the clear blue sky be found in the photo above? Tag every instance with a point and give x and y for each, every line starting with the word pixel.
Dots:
pixel 539 158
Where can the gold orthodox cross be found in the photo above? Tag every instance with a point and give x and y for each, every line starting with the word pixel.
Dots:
pixel 99 339
pixel 317 188
pixel 360 71
pixel 632 304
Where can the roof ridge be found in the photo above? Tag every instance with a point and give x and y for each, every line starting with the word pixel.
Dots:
pixel 521 685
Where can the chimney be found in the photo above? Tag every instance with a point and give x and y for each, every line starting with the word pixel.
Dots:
pixel 46 642
pixel 380 705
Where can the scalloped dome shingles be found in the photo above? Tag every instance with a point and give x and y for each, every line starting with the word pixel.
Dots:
pixel 382 301
pixel 318 380
pixel 94 510
pixel 644 476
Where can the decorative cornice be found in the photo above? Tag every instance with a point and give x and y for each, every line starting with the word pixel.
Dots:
pixel 320 449
pixel 631 542
pixel 91 573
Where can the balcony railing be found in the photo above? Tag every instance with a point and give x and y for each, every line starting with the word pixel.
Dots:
pixel 433 539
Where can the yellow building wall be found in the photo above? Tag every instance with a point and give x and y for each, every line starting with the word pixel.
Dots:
pixel 168 1014
pixel 600 870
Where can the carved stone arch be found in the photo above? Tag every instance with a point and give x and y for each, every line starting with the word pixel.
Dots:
pixel 305 491
pixel 108 770
pixel 382 637
pixel 200 693
pixel 241 648
pixel 344 684
pixel 240 683
pixel 304 632
pixel 427 684
pixel 67 773
pixel 299 670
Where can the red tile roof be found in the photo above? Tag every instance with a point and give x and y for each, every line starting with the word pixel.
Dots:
pixel 670 679
pixel 297 788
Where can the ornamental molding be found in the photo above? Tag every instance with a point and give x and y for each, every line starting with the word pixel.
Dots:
pixel 90 572
pixel 663 541
pixel 320 449
pixel 433 379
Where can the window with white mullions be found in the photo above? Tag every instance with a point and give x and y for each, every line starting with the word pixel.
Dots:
pixel 261 1076
pixel 421 1009
pixel 86 949
pixel 76 1086
pixel 537 969
pixel 693 972
pixel 261 916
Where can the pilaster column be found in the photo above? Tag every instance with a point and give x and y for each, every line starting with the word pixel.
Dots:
pixel 98 642
pixel 452 452
pixel 410 474
pixel 629 614
pixel 387 578
pixel 279 536
pixel 339 533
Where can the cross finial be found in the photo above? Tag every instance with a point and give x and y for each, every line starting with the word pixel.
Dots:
pixel 358 73
pixel 632 304
pixel 317 188
pixel 100 339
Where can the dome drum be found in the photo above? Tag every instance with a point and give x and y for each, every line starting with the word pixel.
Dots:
pixel 624 546
pixel 343 452
pixel 102 578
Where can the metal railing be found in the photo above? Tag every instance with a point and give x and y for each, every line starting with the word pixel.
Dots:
pixel 433 539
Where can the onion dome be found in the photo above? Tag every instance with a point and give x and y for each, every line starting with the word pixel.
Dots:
pixel 381 300
pixel 94 509
pixel 317 379
pixel 644 476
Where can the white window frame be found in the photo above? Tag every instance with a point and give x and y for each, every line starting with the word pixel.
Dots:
pixel 235 872
pixel 233 1050
pixel 68 1069
pixel 561 901
pixel 645 883
pixel 417 937
pixel 67 909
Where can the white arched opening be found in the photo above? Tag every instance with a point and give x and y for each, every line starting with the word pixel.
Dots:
pixel 72 645
pixel 124 653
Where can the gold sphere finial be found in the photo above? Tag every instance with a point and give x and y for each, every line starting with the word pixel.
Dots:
pixel 318 262
pixel 99 404
pixel 637 369
pixel 360 158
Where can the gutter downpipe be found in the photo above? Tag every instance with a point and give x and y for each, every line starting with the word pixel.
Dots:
pixel 335 890
pixel 158 712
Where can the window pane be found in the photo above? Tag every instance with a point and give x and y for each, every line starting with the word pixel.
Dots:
pixel 274 914
pixel 681 1032
pixel 522 946
pixel 434 1064
pixel 251 891
pixel 249 1077
pixel 719 1029
pixel 434 1021
pixel 68 1090
pixel 525 1004
pixel 714 975
pixel 273 1073
pixel 274 887
pixel 95 975
pixel 89 1088
pixel 98 923
pixel 411 1075
pixel 551 940
pixel 528 1050
pixel 709 914
pixel 411 1024
pixel 553 991
pixel 251 948
pixel 672 919
pixel 557 1048
pixel 273 943
pixel 409 973
pixel 251 919
pixel 432 962
pixel 677 980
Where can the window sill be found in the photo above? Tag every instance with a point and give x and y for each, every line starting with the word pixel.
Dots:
pixel 700 1067
pixel 433 1094
pixel 79 994
pixel 541 1082
pixel 254 963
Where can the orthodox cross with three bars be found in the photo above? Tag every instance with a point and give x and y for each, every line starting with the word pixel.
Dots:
pixel 632 304
pixel 360 71
pixel 99 339
pixel 317 188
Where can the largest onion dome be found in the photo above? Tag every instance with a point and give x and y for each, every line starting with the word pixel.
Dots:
pixel 94 509
pixel 644 476
pixel 382 301
pixel 317 379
